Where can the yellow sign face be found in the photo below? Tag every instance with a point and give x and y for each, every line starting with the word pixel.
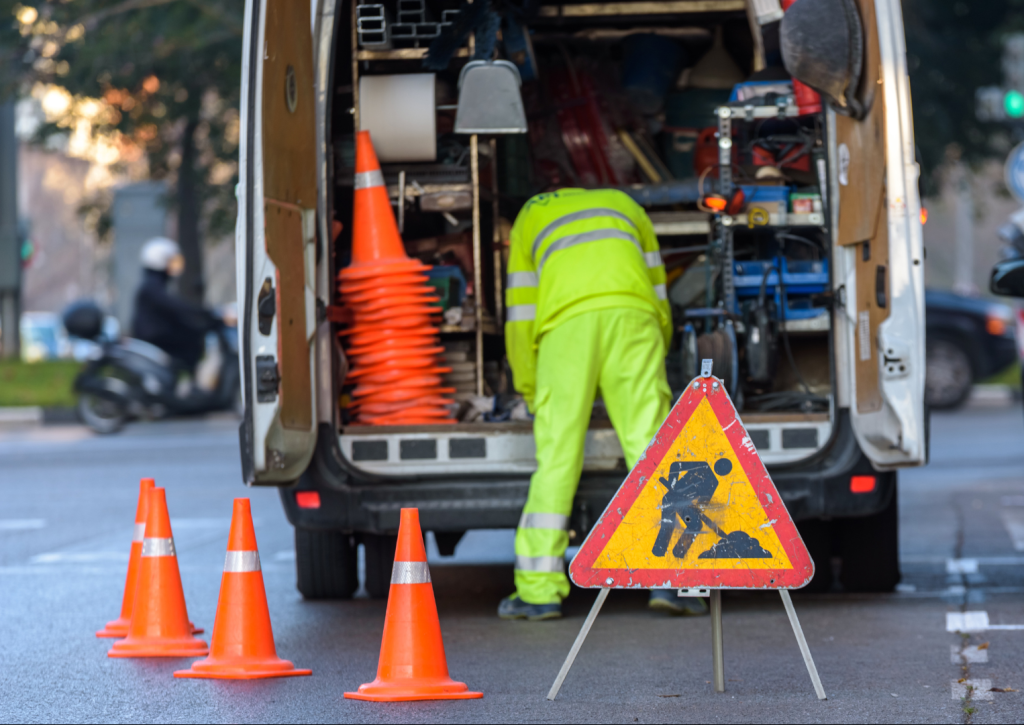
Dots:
pixel 697 510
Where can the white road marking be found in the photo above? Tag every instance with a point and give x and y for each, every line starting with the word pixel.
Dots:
pixel 1014 523
pixel 976 622
pixel 21 524
pixel 78 557
pixel 980 689
pixel 971 654
pixel 966 621
pixel 961 566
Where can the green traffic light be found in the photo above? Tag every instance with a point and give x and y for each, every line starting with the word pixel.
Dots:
pixel 1013 102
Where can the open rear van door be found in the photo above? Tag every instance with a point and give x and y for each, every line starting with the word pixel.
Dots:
pixel 880 336
pixel 276 241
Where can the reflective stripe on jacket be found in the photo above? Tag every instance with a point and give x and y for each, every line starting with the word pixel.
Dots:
pixel 573 251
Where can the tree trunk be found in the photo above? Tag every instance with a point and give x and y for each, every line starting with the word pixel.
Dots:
pixel 190 285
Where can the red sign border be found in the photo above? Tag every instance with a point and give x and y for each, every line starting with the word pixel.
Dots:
pixel 582 570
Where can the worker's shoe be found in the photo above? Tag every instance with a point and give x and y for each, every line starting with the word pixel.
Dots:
pixel 512 607
pixel 665 600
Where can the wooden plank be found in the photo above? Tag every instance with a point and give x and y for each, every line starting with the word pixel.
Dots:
pixel 671 7
pixel 402 54
pixel 860 199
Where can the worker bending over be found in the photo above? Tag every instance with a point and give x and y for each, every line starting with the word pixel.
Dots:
pixel 587 313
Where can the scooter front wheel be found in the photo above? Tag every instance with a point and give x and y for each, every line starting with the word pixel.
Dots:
pixel 101 415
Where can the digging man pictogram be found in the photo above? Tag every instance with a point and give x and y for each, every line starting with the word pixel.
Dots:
pixel 691 486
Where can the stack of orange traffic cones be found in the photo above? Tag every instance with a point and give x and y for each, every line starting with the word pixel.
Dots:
pixel 159 625
pixel 393 341
pixel 412 664
pixel 242 647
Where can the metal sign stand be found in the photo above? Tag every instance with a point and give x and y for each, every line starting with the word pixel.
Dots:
pixel 717 651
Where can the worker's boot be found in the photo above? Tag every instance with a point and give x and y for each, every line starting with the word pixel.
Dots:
pixel 665 600
pixel 512 607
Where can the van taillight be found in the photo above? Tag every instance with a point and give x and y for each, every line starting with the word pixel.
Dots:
pixel 308 499
pixel 862 484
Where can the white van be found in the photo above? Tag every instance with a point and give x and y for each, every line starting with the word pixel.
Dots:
pixel 808 292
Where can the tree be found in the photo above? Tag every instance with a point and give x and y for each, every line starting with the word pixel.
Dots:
pixel 953 48
pixel 167 73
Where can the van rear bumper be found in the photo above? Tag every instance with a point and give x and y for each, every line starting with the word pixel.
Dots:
pixel 817 487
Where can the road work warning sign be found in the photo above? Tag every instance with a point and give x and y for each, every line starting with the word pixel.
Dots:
pixel 697 510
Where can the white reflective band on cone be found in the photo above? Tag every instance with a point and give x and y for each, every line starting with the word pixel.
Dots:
pixel 543 521
pixel 369 179
pixel 550 564
pixel 410 572
pixel 237 562
pixel 158 547
pixel 140 533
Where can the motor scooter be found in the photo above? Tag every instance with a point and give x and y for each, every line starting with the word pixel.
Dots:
pixel 131 379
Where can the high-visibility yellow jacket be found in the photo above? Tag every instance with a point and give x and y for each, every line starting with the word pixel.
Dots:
pixel 573 251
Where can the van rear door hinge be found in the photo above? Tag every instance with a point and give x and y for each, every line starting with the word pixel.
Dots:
pixel 268 378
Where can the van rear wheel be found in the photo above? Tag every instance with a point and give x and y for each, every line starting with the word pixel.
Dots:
pixel 869 547
pixel 325 564
pixel 380 559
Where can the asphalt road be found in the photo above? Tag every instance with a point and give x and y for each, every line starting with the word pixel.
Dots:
pixel 67 503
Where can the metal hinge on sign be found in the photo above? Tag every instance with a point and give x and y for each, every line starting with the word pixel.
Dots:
pixel 267 378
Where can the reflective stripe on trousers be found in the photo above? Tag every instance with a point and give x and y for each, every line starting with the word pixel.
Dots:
pixel 551 564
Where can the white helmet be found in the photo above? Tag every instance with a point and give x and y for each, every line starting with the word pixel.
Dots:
pixel 158 252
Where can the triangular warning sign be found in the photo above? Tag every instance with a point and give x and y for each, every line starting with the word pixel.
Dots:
pixel 697 510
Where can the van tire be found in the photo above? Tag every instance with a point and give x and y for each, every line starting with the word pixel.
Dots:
pixel 380 559
pixel 325 564
pixel 869 547
pixel 817 536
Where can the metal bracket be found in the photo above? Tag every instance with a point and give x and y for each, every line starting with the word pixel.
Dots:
pixel 705 368
pixel 696 592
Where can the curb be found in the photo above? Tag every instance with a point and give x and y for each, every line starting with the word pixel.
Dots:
pixel 32 416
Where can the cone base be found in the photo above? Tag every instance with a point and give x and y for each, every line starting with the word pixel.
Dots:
pixel 432 689
pixel 218 668
pixel 118 629
pixel 159 647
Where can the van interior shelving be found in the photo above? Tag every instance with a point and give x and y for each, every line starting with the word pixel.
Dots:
pixel 637 96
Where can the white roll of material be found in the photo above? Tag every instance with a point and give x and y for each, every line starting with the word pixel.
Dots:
pixel 400 113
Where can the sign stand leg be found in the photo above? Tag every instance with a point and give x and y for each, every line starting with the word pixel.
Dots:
pixel 584 631
pixel 800 640
pixel 717 654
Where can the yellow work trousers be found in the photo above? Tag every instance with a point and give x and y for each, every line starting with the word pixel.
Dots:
pixel 621 353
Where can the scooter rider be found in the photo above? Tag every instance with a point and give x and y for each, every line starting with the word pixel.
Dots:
pixel 161 318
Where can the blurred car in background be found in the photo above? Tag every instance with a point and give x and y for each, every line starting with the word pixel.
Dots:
pixel 968 339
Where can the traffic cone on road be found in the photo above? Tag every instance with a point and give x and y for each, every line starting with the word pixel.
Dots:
pixel 242 646
pixel 412 664
pixel 159 626
pixel 119 626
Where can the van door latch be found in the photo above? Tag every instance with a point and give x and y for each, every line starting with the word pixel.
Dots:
pixel 267 379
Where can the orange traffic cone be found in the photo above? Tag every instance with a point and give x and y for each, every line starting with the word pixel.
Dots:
pixel 159 626
pixel 119 626
pixel 242 647
pixel 412 663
